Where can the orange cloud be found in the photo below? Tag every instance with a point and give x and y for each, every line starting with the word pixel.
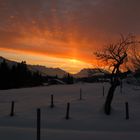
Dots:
pixel 64 29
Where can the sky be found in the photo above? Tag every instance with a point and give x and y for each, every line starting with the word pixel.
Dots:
pixel 64 33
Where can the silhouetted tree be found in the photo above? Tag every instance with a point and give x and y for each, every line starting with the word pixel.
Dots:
pixel 4 74
pixel 18 76
pixel 115 55
pixel 68 79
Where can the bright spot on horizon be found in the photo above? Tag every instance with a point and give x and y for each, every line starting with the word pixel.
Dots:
pixel 69 65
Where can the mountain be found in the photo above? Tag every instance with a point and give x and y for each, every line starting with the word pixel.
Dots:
pixel 90 73
pixel 48 71
pixel 9 62
pixel 41 69
pixel 59 72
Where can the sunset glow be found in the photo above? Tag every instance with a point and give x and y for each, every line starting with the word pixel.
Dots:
pixel 62 33
pixel 69 65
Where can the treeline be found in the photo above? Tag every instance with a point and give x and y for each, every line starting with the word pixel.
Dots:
pixel 68 79
pixel 18 76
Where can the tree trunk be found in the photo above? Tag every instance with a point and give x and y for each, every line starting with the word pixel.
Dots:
pixel 107 107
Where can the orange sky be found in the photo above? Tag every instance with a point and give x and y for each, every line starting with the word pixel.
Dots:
pixel 63 33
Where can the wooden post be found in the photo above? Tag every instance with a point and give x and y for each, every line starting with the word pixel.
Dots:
pixel 67 112
pixel 12 109
pixel 103 91
pixel 52 103
pixel 127 110
pixel 121 87
pixel 38 123
pixel 80 94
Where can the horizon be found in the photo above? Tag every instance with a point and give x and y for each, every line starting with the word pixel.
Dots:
pixel 64 33
pixel 48 67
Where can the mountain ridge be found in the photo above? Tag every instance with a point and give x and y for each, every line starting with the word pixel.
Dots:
pixel 90 72
pixel 46 71
pixel 43 70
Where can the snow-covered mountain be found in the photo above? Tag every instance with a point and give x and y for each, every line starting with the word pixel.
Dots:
pixel 90 72
pixel 48 71
pixel 42 69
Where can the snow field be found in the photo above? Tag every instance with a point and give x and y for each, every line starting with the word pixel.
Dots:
pixel 87 119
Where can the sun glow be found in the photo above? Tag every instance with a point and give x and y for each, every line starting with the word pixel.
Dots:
pixel 74 61
pixel 77 65
pixel 69 65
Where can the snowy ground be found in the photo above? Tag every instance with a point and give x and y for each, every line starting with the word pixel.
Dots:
pixel 87 120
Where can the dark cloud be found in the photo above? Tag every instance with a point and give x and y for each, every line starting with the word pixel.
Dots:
pixel 85 15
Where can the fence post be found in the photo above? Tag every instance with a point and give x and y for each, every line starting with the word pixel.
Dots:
pixel 12 109
pixel 80 94
pixel 103 91
pixel 38 123
pixel 52 103
pixel 67 111
pixel 127 110
pixel 121 86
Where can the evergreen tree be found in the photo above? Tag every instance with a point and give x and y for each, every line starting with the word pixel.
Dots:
pixel 18 76
pixel 68 79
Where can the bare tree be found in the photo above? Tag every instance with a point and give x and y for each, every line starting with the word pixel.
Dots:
pixel 115 55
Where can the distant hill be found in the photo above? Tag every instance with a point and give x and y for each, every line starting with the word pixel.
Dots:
pixel 9 62
pixel 48 71
pixel 41 69
pixel 87 72
pixel 90 73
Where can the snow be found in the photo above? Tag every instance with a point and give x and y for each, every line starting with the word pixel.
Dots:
pixel 87 119
pixel 88 72
pixel 48 71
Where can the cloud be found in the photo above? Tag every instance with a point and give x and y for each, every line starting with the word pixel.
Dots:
pixel 66 28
